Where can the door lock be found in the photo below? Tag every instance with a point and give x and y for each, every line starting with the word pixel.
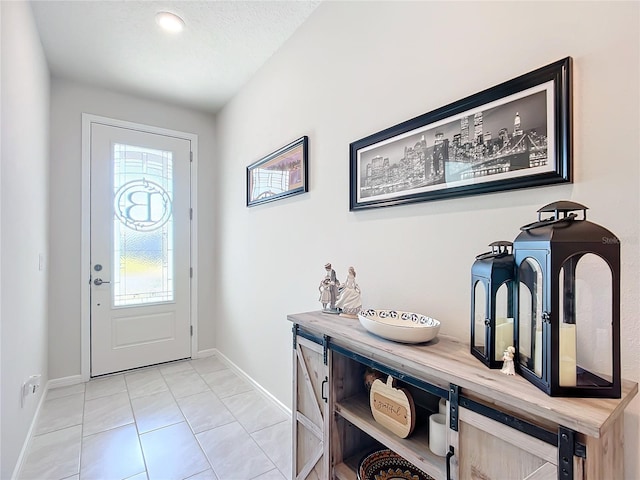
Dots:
pixel 98 281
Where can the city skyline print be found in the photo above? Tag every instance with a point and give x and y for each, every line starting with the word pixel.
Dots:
pixel 518 138
pixel 487 142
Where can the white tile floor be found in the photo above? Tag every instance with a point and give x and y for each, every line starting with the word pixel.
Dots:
pixel 194 419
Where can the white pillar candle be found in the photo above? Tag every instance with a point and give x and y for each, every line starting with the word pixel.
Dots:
pixel 567 354
pixel 537 355
pixel 438 434
pixel 504 336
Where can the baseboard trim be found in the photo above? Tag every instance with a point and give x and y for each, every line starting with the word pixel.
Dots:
pixel 252 382
pixel 64 381
pixel 29 438
pixel 205 353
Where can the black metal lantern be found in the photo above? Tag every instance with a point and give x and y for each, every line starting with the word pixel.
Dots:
pixel 492 296
pixel 568 304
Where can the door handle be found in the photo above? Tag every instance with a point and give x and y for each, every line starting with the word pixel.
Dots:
pixel 98 281
pixel 450 454
pixel 324 382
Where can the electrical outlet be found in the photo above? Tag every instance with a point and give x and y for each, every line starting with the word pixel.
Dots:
pixel 30 387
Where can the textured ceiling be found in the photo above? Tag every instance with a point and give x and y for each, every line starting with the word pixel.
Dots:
pixel 117 45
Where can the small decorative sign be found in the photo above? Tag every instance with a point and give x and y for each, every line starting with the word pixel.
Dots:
pixel 392 407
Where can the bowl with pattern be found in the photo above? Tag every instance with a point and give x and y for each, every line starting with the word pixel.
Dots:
pixel 385 464
pixel 399 326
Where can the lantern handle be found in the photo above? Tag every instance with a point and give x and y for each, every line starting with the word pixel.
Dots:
pixel 501 243
pixel 548 221
pixel 563 206
pixel 561 214
pixel 498 249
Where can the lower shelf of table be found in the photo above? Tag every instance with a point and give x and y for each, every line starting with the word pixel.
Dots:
pixel 415 449
pixel 345 471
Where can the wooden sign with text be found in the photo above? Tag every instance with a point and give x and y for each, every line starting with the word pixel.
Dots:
pixel 392 407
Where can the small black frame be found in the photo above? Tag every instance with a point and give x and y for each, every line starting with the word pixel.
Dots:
pixel 280 174
pixel 514 135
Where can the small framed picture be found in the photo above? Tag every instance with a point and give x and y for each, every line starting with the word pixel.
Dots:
pixel 280 174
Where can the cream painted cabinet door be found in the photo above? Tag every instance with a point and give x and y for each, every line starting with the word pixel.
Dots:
pixel 140 248
pixel 310 410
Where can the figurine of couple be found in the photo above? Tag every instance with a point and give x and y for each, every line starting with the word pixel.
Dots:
pixel 343 299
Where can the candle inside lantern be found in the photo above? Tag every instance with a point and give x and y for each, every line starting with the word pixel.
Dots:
pixel 537 355
pixel 504 335
pixel 567 354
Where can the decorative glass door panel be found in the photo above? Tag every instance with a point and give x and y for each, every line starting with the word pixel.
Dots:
pixel 143 267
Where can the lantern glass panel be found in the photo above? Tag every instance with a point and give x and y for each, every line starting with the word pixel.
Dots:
pixel 585 340
pixel 530 315
pixel 479 315
pixel 504 323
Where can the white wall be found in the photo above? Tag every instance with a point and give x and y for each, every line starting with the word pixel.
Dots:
pixel 1 82
pixel 68 101
pixel 23 222
pixel 355 68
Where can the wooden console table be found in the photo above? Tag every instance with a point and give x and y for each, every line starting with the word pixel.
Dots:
pixel 499 427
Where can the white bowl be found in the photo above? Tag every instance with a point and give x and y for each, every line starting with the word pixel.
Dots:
pixel 399 326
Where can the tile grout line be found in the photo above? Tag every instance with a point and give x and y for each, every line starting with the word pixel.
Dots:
pixel 84 401
pixel 175 399
pixel 196 435
pixel 135 422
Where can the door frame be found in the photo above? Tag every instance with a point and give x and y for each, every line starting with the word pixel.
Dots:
pixel 85 235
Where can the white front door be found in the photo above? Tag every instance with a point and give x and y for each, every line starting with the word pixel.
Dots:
pixel 140 248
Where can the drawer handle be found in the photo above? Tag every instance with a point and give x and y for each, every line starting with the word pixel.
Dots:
pixel 324 382
pixel 449 455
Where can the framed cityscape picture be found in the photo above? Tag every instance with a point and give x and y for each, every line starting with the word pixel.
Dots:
pixel 280 174
pixel 514 135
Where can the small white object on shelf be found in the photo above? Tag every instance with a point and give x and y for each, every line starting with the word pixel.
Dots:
pixel 399 326
pixel 507 367
pixel 438 434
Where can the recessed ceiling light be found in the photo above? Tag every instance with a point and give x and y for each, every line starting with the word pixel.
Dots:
pixel 169 22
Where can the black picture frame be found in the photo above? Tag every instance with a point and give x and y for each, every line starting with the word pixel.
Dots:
pixel 280 174
pixel 463 156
